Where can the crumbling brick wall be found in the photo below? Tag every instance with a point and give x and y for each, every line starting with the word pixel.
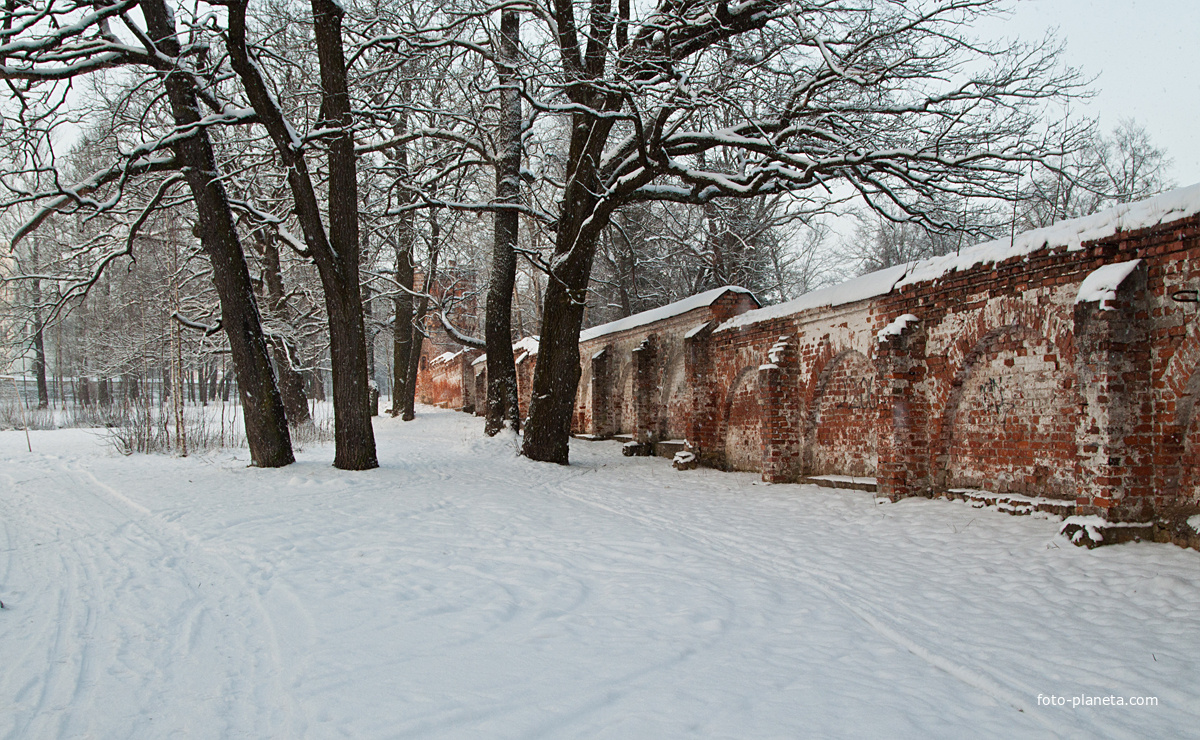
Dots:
pixel 634 380
pixel 448 380
pixel 1004 381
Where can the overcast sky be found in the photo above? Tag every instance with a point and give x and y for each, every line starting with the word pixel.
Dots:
pixel 1146 57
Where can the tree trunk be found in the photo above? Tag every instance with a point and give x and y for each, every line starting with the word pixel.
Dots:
pixel 291 384
pixel 402 330
pixel 501 371
pixel 39 341
pixel 263 412
pixel 353 434
pixel 368 325
pixel 402 326
pixel 39 361
pixel 556 375
pixel 335 253
pixel 408 411
pixel 583 218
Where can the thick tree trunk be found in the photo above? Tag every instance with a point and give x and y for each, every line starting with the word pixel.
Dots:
pixel 353 434
pixel 263 412
pixel 501 371
pixel 335 253
pixel 582 219
pixel 354 437
pixel 556 376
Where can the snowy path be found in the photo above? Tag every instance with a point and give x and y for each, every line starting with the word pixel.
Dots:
pixel 462 592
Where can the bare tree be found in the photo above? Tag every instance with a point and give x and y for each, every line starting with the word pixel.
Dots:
pixel 696 102
pixel 61 40
pixel 1100 172
pixel 334 248
pixel 501 371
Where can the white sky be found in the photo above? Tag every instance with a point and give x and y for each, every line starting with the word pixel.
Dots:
pixel 1146 57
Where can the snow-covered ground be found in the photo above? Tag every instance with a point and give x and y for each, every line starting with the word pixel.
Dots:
pixel 462 592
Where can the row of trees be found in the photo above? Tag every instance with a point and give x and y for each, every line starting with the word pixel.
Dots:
pixel 330 156
pixel 1100 171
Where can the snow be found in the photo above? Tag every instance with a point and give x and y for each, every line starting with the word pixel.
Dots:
pixel 858 289
pixel 526 347
pixel 446 357
pixel 678 308
pixel 778 350
pixel 1101 284
pixel 1194 523
pixel 845 479
pixel 529 345
pixel 897 327
pixel 463 591
pixel 1072 233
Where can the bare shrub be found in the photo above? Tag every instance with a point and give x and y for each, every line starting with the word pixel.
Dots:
pixel 14 416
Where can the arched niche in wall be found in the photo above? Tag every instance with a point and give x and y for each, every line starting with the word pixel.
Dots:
pixel 622 399
pixel 741 427
pixel 841 426
pixel 1007 424
pixel 674 398
pixel 1179 425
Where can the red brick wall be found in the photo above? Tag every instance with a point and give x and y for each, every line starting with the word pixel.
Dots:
pixel 741 440
pixel 843 417
pixel 1009 423
pixel 1005 383
pixel 667 395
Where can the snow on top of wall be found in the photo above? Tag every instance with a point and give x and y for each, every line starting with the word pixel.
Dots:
pixel 1072 233
pixel 527 346
pixel 700 300
pixel 857 289
pixel 1102 283
pixel 446 357
pixel 897 327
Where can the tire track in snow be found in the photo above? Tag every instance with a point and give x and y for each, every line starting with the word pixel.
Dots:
pixel 745 557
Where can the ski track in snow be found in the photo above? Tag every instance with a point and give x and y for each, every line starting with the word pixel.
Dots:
pixel 116 559
pixel 461 591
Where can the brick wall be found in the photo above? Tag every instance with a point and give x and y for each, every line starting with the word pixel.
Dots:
pixel 635 381
pixel 448 382
pixel 1004 383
